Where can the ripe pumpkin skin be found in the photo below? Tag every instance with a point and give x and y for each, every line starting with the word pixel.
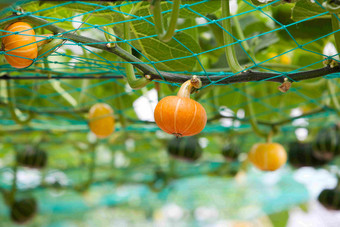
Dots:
pixel 268 156
pixel 180 116
pixel 101 120
pixel 13 41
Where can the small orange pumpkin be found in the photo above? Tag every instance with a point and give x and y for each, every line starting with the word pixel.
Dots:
pixel 268 156
pixel 23 54
pixel 101 120
pixel 179 115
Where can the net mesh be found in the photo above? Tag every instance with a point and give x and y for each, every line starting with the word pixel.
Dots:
pixel 56 91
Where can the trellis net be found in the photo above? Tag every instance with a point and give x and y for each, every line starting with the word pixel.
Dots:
pixel 47 103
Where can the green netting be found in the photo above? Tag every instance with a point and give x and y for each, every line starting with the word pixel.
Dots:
pixel 274 42
pixel 182 55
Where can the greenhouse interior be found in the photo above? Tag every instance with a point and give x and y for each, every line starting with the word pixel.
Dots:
pixel 204 113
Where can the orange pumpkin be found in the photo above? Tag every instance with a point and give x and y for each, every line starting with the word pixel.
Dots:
pixel 268 156
pixel 179 115
pixel 19 52
pixel 101 120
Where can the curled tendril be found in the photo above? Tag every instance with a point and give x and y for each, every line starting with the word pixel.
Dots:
pixel 333 6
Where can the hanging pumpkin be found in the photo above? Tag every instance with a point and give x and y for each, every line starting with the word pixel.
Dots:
pixel 330 198
pixel 20 48
pixel 327 143
pixel 101 120
pixel 230 152
pixel 179 115
pixel 268 156
pixel 186 148
pixel 301 154
pixel 32 157
pixel 23 210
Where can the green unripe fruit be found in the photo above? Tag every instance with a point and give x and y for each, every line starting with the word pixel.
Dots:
pixel 186 148
pixel 230 152
pixel 327 143
pixel 301 154
pixel 330 198
pixel 32 157
pixel 23 210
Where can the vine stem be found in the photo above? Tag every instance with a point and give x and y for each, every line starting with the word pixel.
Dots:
pixel 10 99
pixel 92 166
pixel 119 106
pixel 216 29
pixel 331 88
pixel 158 19
pixel 336 27
pixel 332 92
pixel 228 39
pixel 13 191
pixel 234 64
pixel 84 83
pixel 246 76
pixel 252 119
pixel 129 69
pixel 241 37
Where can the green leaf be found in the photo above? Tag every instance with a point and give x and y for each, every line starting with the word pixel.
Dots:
pixel 127 8
pixel 304 207
pixel 93 13
pixel 310 29
pixel 264 41
pixel 279 219
pixel 306 9
pixel 203 8
pixel 152 48
pixel 256 2
pixel 156 50
pixel 46 9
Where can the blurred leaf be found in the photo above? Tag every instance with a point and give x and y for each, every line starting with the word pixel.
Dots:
pixel 204 8
pixel 279 219
pixel 257 3
pixel 306 9
pixel 309 29
pixel 264 41
pixel 304 207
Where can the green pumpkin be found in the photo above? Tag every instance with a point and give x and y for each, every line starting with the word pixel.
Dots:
pixel 186 148
pixel 23 210
pixel 327 143
pixel 230 152
pixel 301 154
pixel 32 157
pixel 330 198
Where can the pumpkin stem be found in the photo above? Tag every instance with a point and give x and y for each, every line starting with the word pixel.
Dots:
pixel 187 87
pixel 269 137
pixel 178 135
